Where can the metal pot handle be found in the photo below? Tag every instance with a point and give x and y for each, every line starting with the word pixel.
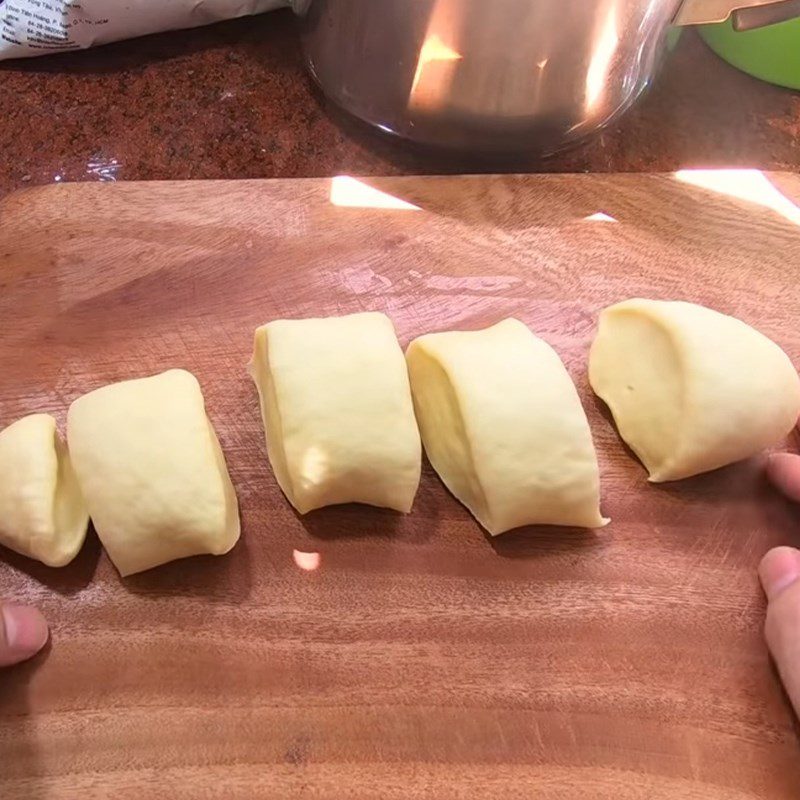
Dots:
pixel 747 14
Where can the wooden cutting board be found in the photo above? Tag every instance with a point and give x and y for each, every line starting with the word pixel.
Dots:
pixel 420 658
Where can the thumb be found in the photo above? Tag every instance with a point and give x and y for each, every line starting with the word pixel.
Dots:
pixel 23 633
pixel 780 576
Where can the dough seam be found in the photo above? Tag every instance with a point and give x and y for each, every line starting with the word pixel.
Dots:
pixel 260 370
pixel 483 512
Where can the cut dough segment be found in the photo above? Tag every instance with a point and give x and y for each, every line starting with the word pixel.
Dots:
pixel 337 410
pixel 691 389
pixel 152 471
pixel 503 426
pixel 42 513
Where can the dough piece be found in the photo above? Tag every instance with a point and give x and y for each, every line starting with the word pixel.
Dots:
pixel 42 513
pixel 691 389
pixel 337 410
pixel 152 471
pixel 503 426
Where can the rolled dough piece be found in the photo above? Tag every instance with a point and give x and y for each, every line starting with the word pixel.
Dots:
pixel 691 389
pixel 42 513
pixel 503 426
pixel 152 471
pixel 337 410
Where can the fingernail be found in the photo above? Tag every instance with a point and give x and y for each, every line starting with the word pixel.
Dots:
pixel 25 629
pixel 779 569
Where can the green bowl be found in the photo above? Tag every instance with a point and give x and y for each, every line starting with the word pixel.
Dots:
pixel 771 53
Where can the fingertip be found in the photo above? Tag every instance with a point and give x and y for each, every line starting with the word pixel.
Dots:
pixel 25 633
pixel 783 470
pixel 779 569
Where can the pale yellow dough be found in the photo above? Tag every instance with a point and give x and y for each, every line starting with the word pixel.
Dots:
pixel 503 426
pixel 152 471
pixel 691 389
pixel 42 513
pixel 337 410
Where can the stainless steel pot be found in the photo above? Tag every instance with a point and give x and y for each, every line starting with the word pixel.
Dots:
pixel 499 75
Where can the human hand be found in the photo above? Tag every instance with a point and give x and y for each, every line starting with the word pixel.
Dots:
pixel 23 633
pixel 780 576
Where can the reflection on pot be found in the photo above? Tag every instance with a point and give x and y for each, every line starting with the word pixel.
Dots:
pixel 507 75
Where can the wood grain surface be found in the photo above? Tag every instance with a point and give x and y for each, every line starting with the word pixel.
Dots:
pixel 419 659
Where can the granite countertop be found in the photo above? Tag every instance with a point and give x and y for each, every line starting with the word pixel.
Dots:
pixel 233 101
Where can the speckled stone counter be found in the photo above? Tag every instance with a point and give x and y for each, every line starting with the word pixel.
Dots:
pixel 233 101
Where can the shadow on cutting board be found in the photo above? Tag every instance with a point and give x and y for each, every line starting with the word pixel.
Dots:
pixel 64 580
pixel 351 522
pixel 356 521
pixel 218 579
pixel 535 541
